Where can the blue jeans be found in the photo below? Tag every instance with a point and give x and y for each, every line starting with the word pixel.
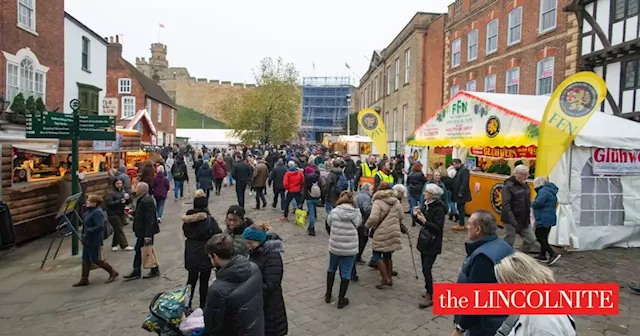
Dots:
pixel 311 207
pixel 160 206
pixel 414 201
pixel 178 186
pixel 230 179
pixel 137 260
pixel 383 255
pixel 352 184
pixel 344 262
pixel 453 210
pixel 329 206
pixel 461 212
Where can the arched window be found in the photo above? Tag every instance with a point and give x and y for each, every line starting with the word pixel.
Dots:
pixel 25 75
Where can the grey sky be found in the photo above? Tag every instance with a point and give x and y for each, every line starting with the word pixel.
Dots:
pixel 225 40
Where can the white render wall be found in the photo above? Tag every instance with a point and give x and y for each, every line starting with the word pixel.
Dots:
pixel 73 72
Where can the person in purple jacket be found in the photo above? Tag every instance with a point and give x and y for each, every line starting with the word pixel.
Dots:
pixel 161 188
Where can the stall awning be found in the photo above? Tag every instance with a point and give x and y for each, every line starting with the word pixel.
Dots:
pixel 480 119
pixel 37 148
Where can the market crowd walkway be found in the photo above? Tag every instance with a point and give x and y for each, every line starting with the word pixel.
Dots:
pixel 42 302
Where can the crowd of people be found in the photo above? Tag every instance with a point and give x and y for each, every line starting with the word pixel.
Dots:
pixel 363 201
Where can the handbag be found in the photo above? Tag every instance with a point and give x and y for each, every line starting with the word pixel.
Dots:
pixel 425 239
pixel 108 228
pixel 149 257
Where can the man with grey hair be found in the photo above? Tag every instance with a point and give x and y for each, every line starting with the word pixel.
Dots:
pixel 516 209
pixel 484 251
pixel 145 226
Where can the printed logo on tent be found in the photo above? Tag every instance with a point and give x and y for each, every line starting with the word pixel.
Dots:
pixel 493 127
pixel 578 99
pixel 416 154
pixel 496 197
pixel 369 121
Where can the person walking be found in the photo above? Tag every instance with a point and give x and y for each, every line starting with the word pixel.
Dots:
pixel 544 212
pixel 447 179
pixel 179 172
pixel 205 178
pixel 516 209
pixel 121 174
pixel 160 188
pixel 92 237
pixel 363 202
pixel 115 200
pixel 234 304
pixel 386 222
pixel 336 184
pixel 265 251
pixel 461 193
pixel 198 227
pixel 148 174
pixel 168 164
pixel 342 226
pixel 196 168
pixel 519 268
pixel 219 172
pixel 398 169
pixel 312 194
pixel 259 182
pixel 293 183
pixel 415 184
pixel 350 171
pixel 145 227
pixel 228 160
pixel 242 174
pixel 484 251
pixel 276 180
pixel 236 224
pixel 430 215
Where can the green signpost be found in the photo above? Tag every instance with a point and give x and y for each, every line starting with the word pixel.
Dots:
pixel 74 127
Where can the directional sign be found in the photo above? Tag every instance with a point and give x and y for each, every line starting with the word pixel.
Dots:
pixel 96 127
pixel 61 126
pixel 75 104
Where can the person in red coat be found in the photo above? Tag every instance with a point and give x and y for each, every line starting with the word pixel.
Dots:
pixel 219 172
pixel 293 183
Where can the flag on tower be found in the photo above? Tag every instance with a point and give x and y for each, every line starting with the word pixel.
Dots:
pixel 347 65
pixel 161 25
pixel 314 66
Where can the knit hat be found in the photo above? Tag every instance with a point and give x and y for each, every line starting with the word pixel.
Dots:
pixel 309 170
pixel 237 210
pixel 254 235
pixel 200 202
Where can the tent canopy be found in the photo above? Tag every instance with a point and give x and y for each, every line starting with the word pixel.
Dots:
pixel 502 120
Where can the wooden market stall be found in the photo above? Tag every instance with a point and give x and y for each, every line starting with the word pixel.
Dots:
pixel 354 145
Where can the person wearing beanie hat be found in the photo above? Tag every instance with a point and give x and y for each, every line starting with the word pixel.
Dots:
pixel 236 224
pixel 198 226
pixel 265 251
pixel 276 179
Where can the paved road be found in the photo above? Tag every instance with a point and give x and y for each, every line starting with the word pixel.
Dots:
pixel 42 302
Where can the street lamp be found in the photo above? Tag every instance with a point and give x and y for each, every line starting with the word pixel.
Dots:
pixel 349 114
pixel 4 104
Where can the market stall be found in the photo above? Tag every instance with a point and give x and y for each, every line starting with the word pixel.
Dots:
pixel 598 176
pixel 354 145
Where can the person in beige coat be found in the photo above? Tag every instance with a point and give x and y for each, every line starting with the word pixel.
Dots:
pixel 259 182
pixel 386 223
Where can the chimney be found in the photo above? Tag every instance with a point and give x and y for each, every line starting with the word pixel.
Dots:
pixel 118 39
pixel 114 48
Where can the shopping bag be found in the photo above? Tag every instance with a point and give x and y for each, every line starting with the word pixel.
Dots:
pixel 225 181
pixel 149 257
pixel 167 310
pixel 301 217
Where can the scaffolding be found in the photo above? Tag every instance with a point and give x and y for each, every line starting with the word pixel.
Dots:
pixel 325 106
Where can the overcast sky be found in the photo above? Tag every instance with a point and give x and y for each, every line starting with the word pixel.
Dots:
pixel 225 40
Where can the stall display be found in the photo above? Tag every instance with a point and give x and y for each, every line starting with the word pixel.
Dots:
pixel 33 166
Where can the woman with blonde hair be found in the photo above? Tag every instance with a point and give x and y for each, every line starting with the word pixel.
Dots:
pixel 520 268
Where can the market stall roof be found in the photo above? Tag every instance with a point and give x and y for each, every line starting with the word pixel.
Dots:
pixel 142 114
pixel 39 148
pixel 465 122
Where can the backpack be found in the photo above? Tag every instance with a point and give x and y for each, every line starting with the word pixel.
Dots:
pixel 315 191
pixel 341 184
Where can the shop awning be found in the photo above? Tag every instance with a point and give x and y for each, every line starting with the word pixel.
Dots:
pixel 37 148
pixel 478 119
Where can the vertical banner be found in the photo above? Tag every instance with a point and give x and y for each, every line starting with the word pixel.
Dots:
pixel 374 128
pixel 568 110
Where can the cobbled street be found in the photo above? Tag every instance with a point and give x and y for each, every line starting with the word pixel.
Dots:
pixel 42 302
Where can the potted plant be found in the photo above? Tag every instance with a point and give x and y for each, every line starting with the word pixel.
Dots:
pixel 18 107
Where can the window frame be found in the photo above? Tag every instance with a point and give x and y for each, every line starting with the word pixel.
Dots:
pixel 496 36
pixel 453 53
pixel 160 113
pixel 91 106
pixel 88 54
pixel 510 27
pixel 121 86
pixel 623 78
pixel 539 75
pixel 506 88
pixel 396 80
pixel 33 16
pixel 38 78
pixel 376 89
pixel 173 118
pixel 388 80
pixel 394 120
pixel 122 102
pixel 475 86
pixel 405 121
pixel 469 45
pixel 625 14
pixel 451 93
pixel 407 66
pixel 541 29
pixel 495 83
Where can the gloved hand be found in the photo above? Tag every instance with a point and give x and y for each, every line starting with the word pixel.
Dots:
pixel 327 227
pixel 403 228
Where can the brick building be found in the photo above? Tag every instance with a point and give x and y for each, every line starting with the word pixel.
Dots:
pixel 32 45
pixel 396 85
pixel 509 46
pixel 142 103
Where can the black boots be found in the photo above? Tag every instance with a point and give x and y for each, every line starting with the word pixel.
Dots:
pixel 330 279
pixel 135 274
pixel 154 273
pixel 342 300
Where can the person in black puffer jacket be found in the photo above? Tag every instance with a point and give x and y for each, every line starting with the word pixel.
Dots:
pixel 276 178
pixel 198 226
pixel 234 302
pixel 265 252
pixel 116 199
pixel 415 184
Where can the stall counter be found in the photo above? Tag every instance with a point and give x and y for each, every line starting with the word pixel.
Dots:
pixel 486 193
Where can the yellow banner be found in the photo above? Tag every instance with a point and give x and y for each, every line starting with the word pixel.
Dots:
pixel 568 110
pixel 374 128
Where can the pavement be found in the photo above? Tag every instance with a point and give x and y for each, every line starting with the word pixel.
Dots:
pixel 42 302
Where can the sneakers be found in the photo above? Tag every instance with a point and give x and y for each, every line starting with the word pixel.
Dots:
pixel 541 257
pixel 554 259
pixel 311 232
pixel 159 220
pixel 129 248
pixel 115 249
pixel 458 228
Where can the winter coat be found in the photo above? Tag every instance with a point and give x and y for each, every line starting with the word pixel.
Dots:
pixel 239 244
pixel 179 171
pixel 219 169
pixel 126 180
pixel 386 218
pixel 148 175
pixel 363 202
pixel 293 181
pixel 161 186
pixel 545 325
pixel 434 213
pixel 234 301
pixel 461 192
pixel 205 176
pixel 544 205
pixel 516 203
pixel 415 183
pixel 113 202
pixel 145 220
pixel 309 180
pixel 260 175
pixel 349 169
pixel 196 167
pixel 93 227
pixel 228 161
pixel 267 257
pixel 398 177
pixel 330 187
pixel 242 172
pixel 198 226
pixel 276 177
pixel 344 221
pixel 168 164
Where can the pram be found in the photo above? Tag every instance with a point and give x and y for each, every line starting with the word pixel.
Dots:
pixel 166 311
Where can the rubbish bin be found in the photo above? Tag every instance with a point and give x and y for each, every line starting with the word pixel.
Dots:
pixel 7 233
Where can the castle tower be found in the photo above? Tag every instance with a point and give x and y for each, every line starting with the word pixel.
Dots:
pixel 158 61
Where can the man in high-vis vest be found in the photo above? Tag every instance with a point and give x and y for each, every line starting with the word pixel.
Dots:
pixel 367 171
pixel 383 175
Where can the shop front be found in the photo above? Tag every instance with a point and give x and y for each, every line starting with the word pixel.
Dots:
pixel 492 133
pixel 353 145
